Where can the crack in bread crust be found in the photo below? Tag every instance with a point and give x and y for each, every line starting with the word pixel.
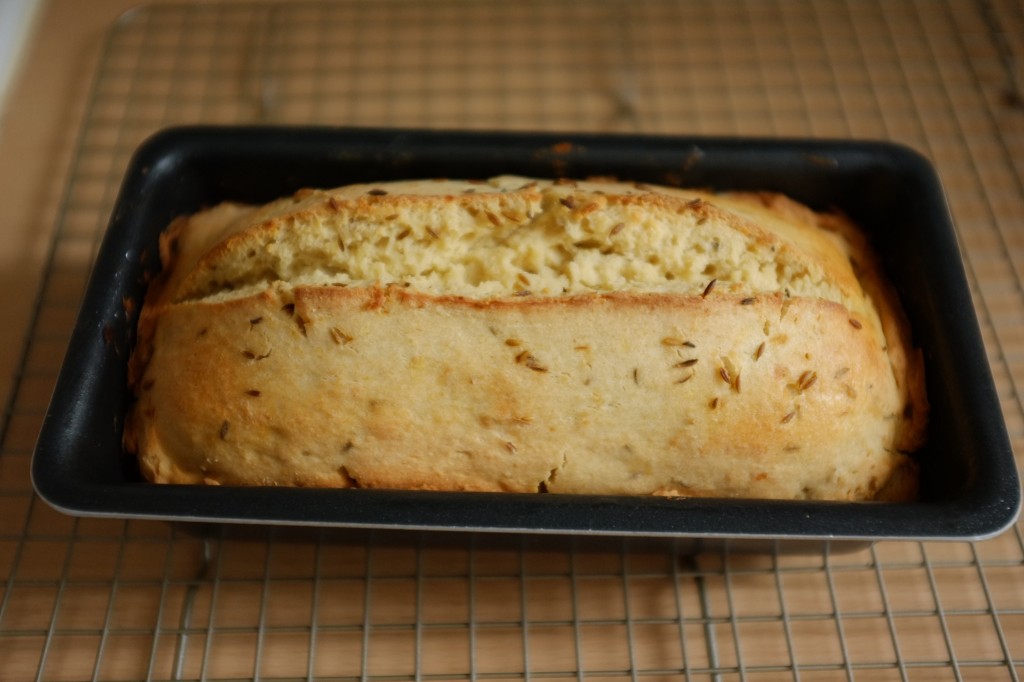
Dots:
pixel 547 239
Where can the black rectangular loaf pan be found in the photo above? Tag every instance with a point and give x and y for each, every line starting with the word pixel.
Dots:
pixel 970 487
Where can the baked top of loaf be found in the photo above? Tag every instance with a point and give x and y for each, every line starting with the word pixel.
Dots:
pixel 522 334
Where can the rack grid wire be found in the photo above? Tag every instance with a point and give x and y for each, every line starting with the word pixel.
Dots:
pixel 109 599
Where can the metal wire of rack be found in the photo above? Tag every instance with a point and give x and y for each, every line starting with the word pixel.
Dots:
pixel 109 599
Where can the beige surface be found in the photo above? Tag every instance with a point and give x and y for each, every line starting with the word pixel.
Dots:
pixel 41 119
pixel 114 600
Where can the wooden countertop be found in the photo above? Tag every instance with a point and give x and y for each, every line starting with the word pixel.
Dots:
pixel 40 124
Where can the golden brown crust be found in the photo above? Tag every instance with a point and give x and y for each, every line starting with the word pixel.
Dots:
pixel 690 388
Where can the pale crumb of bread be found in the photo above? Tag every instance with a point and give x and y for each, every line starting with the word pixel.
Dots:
pixel 543 239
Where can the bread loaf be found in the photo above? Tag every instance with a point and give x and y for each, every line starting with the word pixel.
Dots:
pixel 529 336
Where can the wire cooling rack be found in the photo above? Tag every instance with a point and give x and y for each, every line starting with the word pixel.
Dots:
pixel 105 599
